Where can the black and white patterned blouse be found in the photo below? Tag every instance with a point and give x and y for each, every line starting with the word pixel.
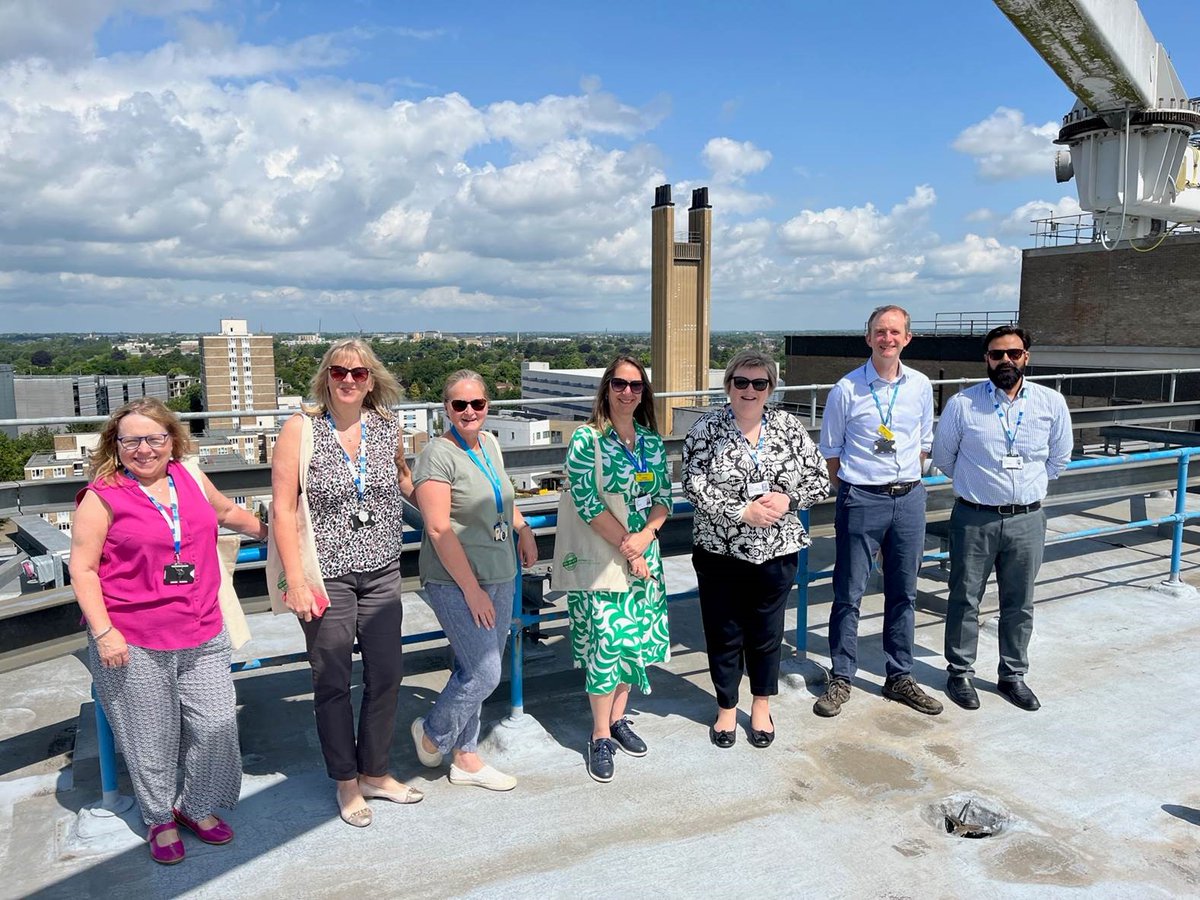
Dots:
pixel 333 500
pixel 719 467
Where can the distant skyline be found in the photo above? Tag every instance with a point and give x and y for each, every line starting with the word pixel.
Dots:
pixel 382 166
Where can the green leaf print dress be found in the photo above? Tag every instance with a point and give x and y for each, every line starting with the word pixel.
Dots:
pixel 615 635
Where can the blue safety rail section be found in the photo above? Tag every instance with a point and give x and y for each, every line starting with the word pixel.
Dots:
pixel 804 577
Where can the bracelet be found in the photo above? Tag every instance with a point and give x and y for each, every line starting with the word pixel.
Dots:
pixel 96 637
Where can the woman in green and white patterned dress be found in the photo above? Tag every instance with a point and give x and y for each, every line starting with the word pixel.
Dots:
pixel 615 635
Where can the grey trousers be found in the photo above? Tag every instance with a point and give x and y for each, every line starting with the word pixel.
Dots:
pixel 453 723
pixel 1012 545
pixel 169 708
pixel 366 605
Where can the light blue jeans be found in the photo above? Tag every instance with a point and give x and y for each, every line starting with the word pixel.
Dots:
pixel 453 723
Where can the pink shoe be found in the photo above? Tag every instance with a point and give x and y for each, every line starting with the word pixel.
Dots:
pixel 168 854
pixel 220 833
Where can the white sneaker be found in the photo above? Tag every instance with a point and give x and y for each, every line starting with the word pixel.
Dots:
pixel 430 760
pixel 487 777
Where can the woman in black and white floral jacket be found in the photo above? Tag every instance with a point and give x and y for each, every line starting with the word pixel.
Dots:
pixel 747 470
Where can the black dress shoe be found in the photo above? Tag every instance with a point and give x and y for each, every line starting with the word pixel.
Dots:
pixel 762 739
pixel 722 739
pixel 960 689
pixel 1019 694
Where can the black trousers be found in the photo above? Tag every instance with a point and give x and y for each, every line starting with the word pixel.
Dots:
pixel 742 604
pixel 366 606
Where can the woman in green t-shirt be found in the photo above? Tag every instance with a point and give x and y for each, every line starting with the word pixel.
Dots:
pixel 468 572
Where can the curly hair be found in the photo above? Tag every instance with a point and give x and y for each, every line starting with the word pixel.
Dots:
pixel 105 461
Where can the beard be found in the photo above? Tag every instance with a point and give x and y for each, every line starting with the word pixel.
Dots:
pixel 1006 376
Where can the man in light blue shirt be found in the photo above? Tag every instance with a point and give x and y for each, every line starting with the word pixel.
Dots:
pixel 1001 441
pixel 875 435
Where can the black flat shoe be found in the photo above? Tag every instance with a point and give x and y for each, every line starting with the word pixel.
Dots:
pixel 1018 694
pixel 762 739
pixel 722 739
pixel 960 689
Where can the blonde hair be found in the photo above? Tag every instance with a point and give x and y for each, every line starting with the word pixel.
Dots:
pixel 751 359
pixel 105 461
pixel 381 398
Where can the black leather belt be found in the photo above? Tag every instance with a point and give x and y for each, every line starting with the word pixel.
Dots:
pixel 895 489
pixel 1012 509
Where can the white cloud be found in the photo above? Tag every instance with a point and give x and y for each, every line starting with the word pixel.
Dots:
pixel 1020 220
pixel 731 161
pixel 971 257
pixel 857 232
pixel 1005 146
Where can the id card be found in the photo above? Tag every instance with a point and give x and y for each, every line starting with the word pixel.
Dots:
pixel 757 488
pixel 364 518
pixel 643 477
pixel 642 501
pixel 886 433
pixel 179 573
pixel 500 532
pixel 1012 462
pixel 885 446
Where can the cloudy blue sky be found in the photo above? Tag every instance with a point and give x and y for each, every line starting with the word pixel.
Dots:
pixel 469 165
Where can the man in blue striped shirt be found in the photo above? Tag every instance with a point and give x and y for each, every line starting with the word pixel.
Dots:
pixel 875 435
pixel 1001 441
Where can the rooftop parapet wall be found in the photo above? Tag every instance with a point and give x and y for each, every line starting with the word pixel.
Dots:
pixel 1086 296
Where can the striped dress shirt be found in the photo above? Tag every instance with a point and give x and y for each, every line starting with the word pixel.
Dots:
pixel 973 437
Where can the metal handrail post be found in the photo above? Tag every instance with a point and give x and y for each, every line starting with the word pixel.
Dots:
pixel 111 798
pixel 516 639
pixel 802 595
pixel 812 408
pixel 1180 514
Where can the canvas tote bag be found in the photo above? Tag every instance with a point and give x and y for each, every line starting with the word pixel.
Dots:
pixel 583 560
pixel 276 580
pixel 228 546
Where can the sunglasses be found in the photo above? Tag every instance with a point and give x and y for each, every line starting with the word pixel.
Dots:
pixel 153 441
pixel 1013 353
pixel 358 373
pixel 479 404
pixel 620 385
pixel 759 384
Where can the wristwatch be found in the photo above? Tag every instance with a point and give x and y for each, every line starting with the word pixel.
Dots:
pixel 793 503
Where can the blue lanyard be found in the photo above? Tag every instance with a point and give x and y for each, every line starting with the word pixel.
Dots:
pixel 886 421
pixel 172 517
pixel 359 475
pixel 1011 436
pixel 638 465
pixel 485 467
pixel 762 440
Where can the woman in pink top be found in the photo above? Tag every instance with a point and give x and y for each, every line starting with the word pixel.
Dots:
pixel 145 573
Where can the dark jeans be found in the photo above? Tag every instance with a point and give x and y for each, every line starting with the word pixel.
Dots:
pixel 864 524
pixel 742 604
pixel 365 605
pixel 1013 546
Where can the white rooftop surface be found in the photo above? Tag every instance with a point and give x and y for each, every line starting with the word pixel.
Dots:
pixel 1101 783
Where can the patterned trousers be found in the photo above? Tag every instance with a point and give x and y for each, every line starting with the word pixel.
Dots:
pixel 169 708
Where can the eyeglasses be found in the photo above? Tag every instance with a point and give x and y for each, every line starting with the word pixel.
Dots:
pixel 759 384
pixel 153 441
pixel 479 404
pixel 620 385
pixel 358 373
pixel 1013 353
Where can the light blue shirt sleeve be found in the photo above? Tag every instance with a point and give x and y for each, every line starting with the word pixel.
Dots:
pixel 1062 442
pixel 833 423
pixel 949 436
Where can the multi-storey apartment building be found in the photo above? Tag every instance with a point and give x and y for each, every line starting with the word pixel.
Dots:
pixel 237 372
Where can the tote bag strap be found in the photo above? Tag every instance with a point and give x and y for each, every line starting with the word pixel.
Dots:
pixel 306 449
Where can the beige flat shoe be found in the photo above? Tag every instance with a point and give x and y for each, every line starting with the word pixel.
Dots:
pixel 487 778
pixel 360 818
pixel 409 795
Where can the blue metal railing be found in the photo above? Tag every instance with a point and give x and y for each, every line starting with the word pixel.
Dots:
pixel 521 620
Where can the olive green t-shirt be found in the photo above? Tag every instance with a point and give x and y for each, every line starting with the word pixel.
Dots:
pixel 472 510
